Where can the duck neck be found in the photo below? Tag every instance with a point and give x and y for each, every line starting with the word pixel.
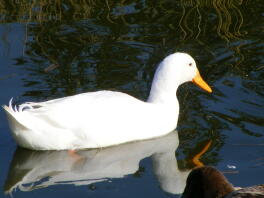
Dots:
pixel 163 88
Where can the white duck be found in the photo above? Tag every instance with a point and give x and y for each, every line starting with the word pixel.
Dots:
pixel 105 118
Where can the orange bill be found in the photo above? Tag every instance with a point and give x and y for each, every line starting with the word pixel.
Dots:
pixel 201 83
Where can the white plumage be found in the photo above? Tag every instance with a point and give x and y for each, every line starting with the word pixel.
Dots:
pixel 104 118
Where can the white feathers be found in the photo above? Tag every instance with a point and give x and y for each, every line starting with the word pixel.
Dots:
pixel 10 103
pixel 24 106
pixel 20 108
pixel 103 118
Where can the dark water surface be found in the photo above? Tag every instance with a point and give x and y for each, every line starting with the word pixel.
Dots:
pixel 117 45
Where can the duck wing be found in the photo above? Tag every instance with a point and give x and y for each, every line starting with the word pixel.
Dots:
pixel 248 192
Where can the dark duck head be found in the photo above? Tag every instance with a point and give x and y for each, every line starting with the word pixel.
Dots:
pixel 208 182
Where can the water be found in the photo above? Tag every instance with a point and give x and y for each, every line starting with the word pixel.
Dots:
pixel 116 46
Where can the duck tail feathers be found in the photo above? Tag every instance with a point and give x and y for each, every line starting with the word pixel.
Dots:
pixel 13 116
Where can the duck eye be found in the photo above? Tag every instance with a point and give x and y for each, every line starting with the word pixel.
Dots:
pixel 190 64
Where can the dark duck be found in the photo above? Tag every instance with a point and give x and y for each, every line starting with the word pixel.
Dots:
pixel 208 182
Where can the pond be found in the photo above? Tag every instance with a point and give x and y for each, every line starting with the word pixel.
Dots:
pixel 110 45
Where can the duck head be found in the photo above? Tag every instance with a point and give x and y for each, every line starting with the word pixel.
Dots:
pixel 173 71
pixel 185 65
pixel 206 182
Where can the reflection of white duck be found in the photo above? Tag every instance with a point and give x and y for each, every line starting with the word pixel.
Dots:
pixel 58 167
pixel 105 118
